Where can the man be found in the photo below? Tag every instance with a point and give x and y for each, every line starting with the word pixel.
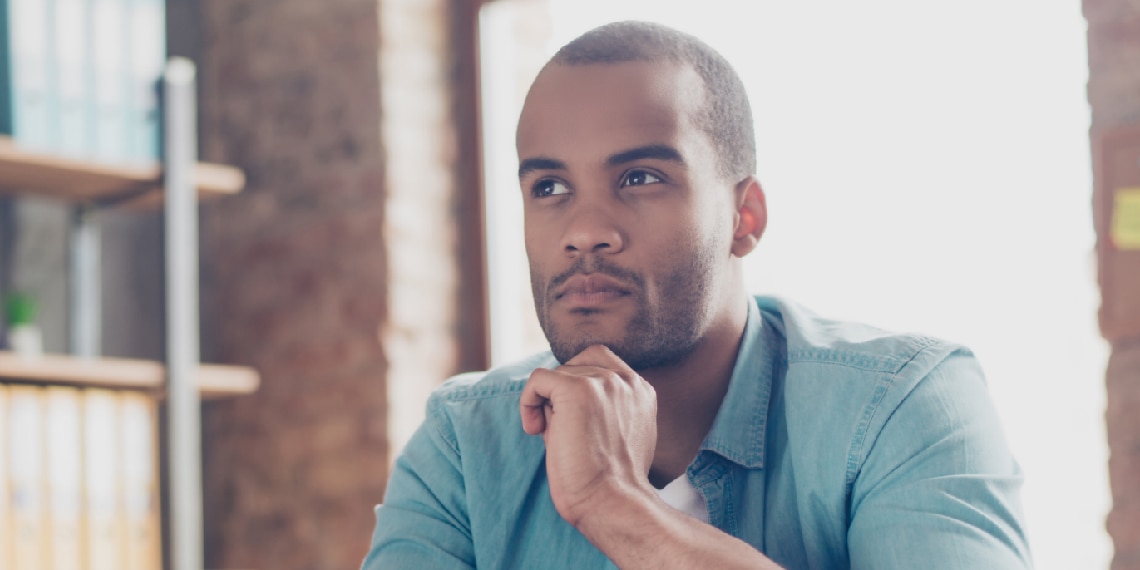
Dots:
pixel 679 422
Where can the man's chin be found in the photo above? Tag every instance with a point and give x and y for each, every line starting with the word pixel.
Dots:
pixel 639 360
pixel 565 350
pixel 568 340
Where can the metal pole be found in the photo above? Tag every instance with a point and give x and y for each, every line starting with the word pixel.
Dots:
pixel 185 450
pixel 85 283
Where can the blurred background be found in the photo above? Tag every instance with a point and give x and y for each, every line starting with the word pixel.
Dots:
pixel 928 168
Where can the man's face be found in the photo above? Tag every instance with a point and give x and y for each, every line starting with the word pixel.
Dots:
pixel 628 223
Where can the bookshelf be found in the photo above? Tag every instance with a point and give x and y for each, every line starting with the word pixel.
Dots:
pixel 82 181
pixel 213 381
pixel 177 185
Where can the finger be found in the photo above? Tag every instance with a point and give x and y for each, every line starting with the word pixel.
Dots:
pixel 534 400
pixel 601 356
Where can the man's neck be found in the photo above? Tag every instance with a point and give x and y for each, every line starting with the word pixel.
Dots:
pixel 689 394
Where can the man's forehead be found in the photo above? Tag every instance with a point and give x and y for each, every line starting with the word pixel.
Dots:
pixel 566 100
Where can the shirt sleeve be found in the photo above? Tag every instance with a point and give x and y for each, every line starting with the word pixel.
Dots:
pixel 423 522
pixel 939 487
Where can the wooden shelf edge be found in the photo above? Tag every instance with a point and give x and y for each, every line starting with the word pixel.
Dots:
pixel 24 172
pixel 214 380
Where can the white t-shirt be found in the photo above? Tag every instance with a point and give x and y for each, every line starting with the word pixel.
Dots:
pixel 681 495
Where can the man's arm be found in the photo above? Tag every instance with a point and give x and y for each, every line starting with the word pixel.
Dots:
pixel 939 486
pixel 599 421
pixel 643 532
pixel 423 522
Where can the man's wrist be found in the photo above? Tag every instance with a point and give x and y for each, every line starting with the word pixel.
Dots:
pixel 622 513
pixel 636 529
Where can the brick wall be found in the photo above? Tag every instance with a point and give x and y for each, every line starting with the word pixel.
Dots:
pixel 350 271
pixel 297 281
pixel 1114 96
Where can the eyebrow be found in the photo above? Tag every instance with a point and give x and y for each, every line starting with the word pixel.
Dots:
pixel 540 163
pixel 653 151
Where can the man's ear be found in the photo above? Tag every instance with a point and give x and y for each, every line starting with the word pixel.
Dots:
pixel 751 216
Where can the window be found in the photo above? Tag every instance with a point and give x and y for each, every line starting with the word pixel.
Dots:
pixel 927 168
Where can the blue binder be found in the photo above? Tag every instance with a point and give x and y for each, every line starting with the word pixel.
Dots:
pixel 147 57
pixel 28 97
pixel 73 81
pixel 110 127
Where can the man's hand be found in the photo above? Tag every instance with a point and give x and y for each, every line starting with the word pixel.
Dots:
pixel 598 419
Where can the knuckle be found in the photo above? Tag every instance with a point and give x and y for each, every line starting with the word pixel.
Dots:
pixel 598 384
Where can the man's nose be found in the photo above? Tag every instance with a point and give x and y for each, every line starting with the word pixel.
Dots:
pixel 592 230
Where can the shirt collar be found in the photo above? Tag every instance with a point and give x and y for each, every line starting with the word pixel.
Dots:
pixel 739 431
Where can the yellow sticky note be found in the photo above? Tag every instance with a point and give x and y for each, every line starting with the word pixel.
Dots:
pixel 1125 228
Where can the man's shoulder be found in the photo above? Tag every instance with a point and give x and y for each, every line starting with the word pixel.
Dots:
pixel 814 340
pixel 853 379
pixel 504 382
pixel 478 412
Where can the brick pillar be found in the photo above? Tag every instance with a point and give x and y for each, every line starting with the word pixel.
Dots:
pixel 350 271
pixel 298 279
pixel 1123 422
pixel 1114 96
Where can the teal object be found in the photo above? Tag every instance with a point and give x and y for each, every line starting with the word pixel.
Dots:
pixel 6 122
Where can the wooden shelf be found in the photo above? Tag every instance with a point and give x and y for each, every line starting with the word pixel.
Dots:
pixel 76 180
pixel 214 381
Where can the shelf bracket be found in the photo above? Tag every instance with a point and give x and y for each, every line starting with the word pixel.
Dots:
pixel 129 193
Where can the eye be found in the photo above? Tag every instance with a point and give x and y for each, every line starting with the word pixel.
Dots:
pixel 548 187
pixel 639 178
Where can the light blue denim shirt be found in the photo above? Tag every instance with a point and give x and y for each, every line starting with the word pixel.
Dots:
pixel 837 446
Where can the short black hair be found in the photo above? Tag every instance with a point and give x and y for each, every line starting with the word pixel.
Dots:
pixel 726 117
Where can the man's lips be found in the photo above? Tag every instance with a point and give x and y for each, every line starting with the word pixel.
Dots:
pixel 591 289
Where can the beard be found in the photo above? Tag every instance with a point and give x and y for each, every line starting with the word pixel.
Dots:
pixel 659 334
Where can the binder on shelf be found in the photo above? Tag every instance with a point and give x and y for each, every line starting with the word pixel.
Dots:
pixel 147 51
pixel 26 477
pixel 28 101
pixel 140 481
pixel 64 477
pixel 104 534
pixel 72 77
pixel 110 130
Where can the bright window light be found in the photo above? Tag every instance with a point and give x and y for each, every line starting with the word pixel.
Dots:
pixel 927 169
